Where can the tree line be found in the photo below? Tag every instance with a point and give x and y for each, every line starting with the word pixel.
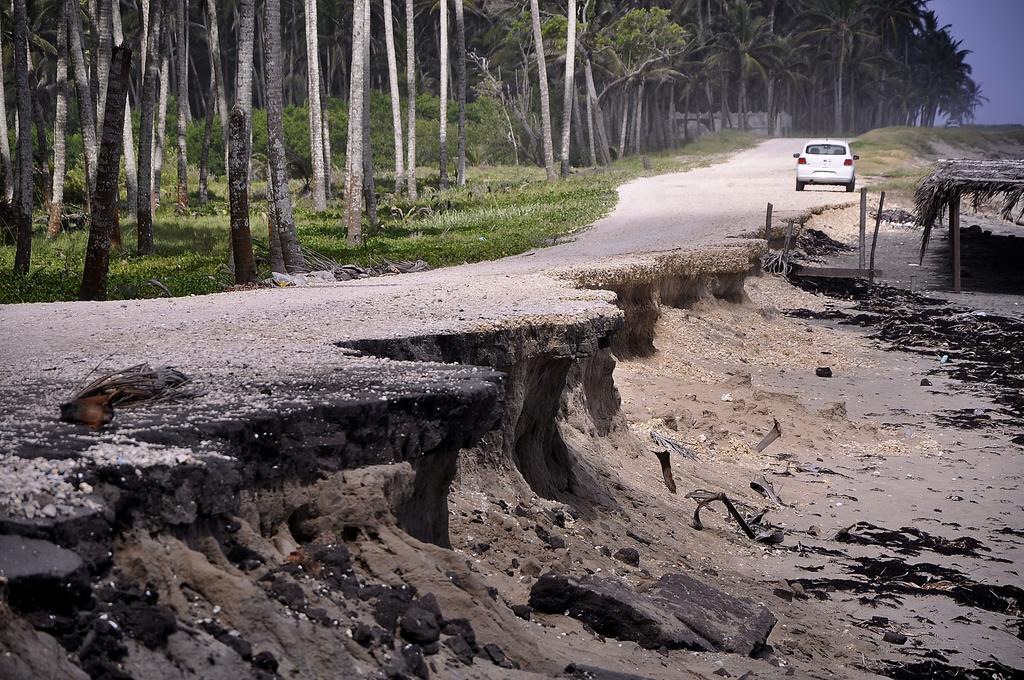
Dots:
pixel 627 77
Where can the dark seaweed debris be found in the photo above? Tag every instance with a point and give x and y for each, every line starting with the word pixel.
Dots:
pixel 937 670
pixel 909 540
pixel 884 581
pixel 979 347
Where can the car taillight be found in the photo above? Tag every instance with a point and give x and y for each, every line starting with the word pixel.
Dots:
pixel 802 161
pixel 848 161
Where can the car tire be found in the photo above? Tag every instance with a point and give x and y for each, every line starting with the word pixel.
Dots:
pixel 851 186
pixel 799 185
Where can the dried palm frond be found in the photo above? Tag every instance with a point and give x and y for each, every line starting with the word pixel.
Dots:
pixel 94 404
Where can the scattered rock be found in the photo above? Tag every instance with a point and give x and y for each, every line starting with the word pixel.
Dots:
pixel 578 671
pixel 494 653
pixel 265 661
pixel 419 625
pixel 895 638
pixel 630 556
pixel 925 382
pixel 41 575
pixel 823 372
pixel 523 611
pixel 530 568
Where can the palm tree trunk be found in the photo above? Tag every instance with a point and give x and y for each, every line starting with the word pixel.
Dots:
pixel 325 120
pixel 60 122
pixel 396 102
pixel 460 70
pixel 316 126
pixel 238 188
pixel 131 173
pixel 672 116
pixel 638 127
pixel 369 183
pixel 579 137
pixel 104 42
pixel 240 149
pixel 218 71
pixel 602 139
pixel 5 144
pixel 104 200
pixel 590 130
pixel 545 102
pixel 204 155
pixel 147 111
pixel 743 102
pixel 160 131
pixel 625 121
pixel 280 202
pixel 354 153
pixel 569 93
pixel 410 84
pixel 23 169
pixel 86 111
pixel 181 56
pixel 839 87
pixel 443 84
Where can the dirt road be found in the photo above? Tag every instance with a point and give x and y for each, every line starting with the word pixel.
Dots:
pixel 695 208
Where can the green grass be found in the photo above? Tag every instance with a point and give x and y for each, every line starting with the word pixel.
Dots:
pixel 503 211
pixel 899 157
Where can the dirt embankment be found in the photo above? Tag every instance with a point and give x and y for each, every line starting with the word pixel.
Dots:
pixel 512 521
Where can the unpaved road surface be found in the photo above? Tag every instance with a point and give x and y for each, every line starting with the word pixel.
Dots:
pixel 695 208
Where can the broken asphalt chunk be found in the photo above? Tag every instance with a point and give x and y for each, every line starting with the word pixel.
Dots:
pixel 678 612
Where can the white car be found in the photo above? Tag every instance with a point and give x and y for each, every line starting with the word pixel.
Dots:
pixel 826 161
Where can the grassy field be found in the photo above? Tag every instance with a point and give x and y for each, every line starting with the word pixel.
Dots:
pixel 504 210
pixel 897 158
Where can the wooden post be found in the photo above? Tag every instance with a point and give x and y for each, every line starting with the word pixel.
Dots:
pixel 768 225
pixel 874 239
pixel 789 235
pixel 954 233
pixel 863 226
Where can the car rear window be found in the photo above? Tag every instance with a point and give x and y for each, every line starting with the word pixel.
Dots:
pixel 826 150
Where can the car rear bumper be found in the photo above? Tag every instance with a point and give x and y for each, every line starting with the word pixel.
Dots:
pixel 825 176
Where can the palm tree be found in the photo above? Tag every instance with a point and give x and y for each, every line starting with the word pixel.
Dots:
pixel 396 103
pixel 316 126
pixel 569 93
pixel 181 61
pixel 410 82
pixel 747 39
pixel 23 168
pixel 354 153
pixel 839 23
pixel 542 79
pixel 60 122
pixel 460 70
pixel 443 85
pixel 280 202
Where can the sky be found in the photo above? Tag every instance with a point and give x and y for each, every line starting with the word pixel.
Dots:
pixel 991 29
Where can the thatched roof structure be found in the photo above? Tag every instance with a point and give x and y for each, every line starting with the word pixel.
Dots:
pixel 977 180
